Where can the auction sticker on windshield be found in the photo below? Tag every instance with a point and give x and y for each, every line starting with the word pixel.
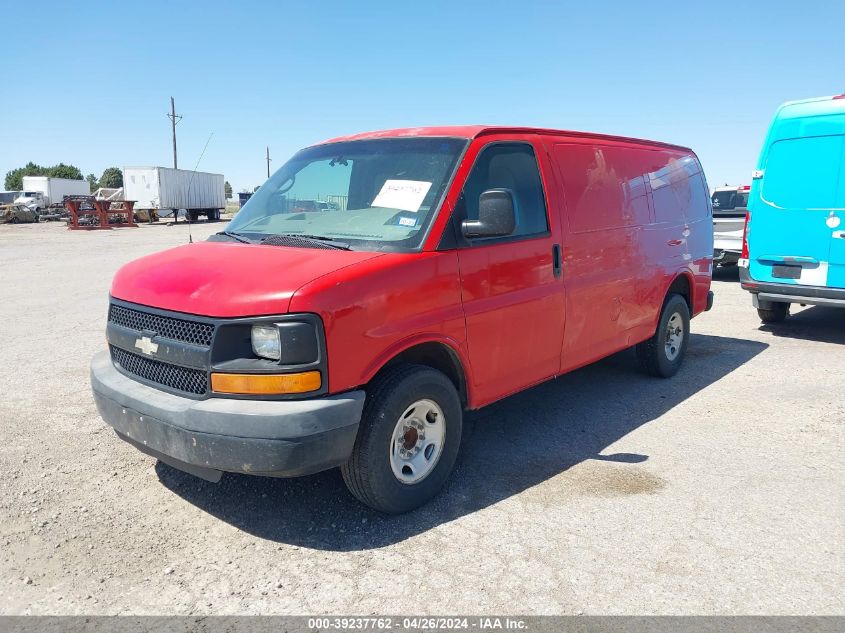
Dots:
pixel 405 195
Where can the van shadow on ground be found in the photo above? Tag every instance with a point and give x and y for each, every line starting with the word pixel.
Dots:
pixel 508 447
pixel 816 323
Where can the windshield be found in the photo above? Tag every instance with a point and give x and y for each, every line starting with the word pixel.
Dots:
pixel 724 200
pixel 730 203
pixel 372 195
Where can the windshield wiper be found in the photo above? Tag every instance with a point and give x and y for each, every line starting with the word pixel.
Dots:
pixel 319 239
pixel 235 236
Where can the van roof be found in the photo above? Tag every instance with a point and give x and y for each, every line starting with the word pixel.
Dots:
pixel 817 106
pixel 474 131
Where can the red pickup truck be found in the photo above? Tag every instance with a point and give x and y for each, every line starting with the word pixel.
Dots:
pixel 450 267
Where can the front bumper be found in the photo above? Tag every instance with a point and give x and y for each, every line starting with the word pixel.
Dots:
pixel 205 437
pixel 766 292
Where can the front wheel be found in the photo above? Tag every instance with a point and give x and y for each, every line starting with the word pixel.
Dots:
pixel 663 353
pixel 776 313
pixel 408 440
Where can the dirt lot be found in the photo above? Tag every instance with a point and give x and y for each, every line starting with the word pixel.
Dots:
pixel 604 492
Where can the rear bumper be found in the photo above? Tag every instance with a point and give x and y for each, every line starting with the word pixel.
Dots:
pixel 772 292
pixel 725 256
pixel 205 437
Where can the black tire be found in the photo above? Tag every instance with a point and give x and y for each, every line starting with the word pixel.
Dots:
pixel 652 353
pixel 13 220
pixel 776 314
pixel 368 474
pixel 193 215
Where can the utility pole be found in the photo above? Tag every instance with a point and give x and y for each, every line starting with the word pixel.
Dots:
pixel 174 119
pixel 268 161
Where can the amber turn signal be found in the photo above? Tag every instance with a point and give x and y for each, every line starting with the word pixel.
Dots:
pixel 266 384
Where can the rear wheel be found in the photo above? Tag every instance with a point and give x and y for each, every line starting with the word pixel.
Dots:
pixel 663 353
pixel 775 313
pixel 408 440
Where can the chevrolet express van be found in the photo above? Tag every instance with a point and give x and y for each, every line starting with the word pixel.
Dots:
pixel 451 267
pixel 794 245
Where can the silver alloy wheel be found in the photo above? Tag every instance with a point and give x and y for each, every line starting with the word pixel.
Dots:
pixel 417 441
pixel 674 336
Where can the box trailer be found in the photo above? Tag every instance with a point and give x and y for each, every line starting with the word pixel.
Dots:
pixel 163 189
pixel 41 192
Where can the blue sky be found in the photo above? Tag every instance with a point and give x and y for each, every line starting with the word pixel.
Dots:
pixel 92 84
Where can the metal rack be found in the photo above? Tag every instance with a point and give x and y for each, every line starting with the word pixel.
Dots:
pixel 87 213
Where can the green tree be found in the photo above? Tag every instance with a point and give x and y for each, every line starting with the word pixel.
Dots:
pixel 93 185
pixel 112 178
pixel 227 189
pixel 14 178
pixel 65 171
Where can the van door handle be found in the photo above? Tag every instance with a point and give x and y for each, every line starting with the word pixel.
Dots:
pixel 557 260
pixel 675 242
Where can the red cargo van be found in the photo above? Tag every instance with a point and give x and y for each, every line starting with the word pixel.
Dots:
pixel 448 268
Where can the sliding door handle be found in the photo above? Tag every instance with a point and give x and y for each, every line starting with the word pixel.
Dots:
pixel 557 260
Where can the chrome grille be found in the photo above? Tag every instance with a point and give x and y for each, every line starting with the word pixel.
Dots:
pixel 194 332
pixel 183 379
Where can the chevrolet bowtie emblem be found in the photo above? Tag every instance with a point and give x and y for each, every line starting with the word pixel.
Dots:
pixel 146 345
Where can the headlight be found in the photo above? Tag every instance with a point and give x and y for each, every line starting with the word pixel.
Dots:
pixel 266 342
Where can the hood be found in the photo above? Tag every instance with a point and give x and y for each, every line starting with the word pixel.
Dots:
pixel 221 279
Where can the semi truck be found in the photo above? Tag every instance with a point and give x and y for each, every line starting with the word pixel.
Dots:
pixel 43 192
pixel 163 190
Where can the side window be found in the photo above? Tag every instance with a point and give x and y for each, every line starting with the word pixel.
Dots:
pixel 509 166
pixel 677 190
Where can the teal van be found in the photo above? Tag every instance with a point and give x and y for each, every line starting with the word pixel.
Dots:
pixel 794 241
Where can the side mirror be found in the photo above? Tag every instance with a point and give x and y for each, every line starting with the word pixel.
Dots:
pixel 496 216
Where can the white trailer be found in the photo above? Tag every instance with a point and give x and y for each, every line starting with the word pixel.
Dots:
pixel 41 192
pixel 166 189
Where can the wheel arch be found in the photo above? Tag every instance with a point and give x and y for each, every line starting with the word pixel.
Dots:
pixel 442 355
pixel 684 285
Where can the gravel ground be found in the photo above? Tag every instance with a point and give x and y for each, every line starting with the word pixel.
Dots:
pixel 604 492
